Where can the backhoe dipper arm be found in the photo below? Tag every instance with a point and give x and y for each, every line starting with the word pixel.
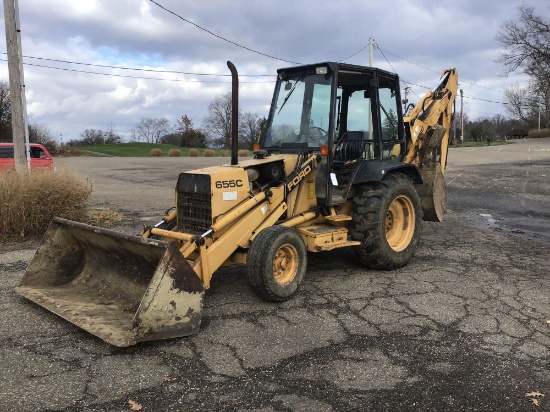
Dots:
pixel 427 127
pixel 429 122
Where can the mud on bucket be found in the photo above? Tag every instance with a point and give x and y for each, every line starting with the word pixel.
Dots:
pixel 122 288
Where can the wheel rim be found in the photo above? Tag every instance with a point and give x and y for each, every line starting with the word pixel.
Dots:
pixel 400 221
pixel 285 264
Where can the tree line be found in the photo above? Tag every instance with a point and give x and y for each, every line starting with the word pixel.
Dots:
pixel 492 127
pixel 216 131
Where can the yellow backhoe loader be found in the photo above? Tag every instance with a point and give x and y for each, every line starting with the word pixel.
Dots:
pixel 338 165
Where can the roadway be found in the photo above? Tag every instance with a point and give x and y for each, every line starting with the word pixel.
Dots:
pixel 465 326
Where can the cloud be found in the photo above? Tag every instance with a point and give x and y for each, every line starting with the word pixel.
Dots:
pixel 412 36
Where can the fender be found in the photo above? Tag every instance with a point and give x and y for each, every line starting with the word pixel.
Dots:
pixel 374 171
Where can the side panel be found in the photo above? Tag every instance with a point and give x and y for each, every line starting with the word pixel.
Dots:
pixel 207 193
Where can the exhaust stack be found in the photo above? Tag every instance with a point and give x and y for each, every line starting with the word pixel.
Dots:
pixel 234 113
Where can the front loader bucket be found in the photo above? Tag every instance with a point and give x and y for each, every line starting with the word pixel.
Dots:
pixel 122 288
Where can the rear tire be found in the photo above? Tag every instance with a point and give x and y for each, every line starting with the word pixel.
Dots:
pixel 276 263
pixel 387 219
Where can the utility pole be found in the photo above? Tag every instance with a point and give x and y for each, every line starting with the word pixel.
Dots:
pixel 17 86
pixel 371 130
pixel 371 45
pixel 539 120
pixel 462 116
pixel 405 101
pixel 454 121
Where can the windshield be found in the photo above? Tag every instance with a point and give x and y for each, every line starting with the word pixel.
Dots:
pixel 301 113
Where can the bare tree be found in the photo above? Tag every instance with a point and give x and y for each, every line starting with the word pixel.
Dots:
pixel 527 44
pixel 516 96
pixel 525 103
pixel 40 133
pixel 218 121
pixel 527 41
pixel 151 129
pixel 134 137
pixel 250 127
pixel 111 135
pixel 5 112
pixel 90 137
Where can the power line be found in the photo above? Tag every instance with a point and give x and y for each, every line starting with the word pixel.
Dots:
pixel 488 114
pixel 381 51
pixel 483 87
pixel 418 85
pixel 434 71
pixel 402 58
pixel 354 54
pixel 483 100
pixel 143 70
pixel 220 37
pixel 404 81
pixel 132 77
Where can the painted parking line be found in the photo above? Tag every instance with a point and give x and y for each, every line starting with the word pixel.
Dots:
pixel 452 180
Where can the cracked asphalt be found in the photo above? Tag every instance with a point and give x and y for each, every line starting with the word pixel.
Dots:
pixel 463 327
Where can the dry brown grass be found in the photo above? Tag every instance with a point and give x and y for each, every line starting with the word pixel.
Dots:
pixel 209 153
pixel 28 202
pixel 104 217
pixel 193 152
pixel 174 153
pixel 243 153
pixel 68 151
pixel 223 153
pixel 156 152
pixel 539 133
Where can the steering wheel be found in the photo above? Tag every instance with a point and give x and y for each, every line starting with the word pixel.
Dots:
pixel 318 135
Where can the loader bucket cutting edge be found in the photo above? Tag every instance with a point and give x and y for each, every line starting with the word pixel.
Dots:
pixel 122 288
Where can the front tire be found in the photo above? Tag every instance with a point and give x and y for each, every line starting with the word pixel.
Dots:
pixel 387 219
pixel 276 263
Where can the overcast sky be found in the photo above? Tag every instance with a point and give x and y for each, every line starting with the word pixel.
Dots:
pixel 417 39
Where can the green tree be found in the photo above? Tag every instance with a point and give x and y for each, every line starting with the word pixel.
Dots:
pixel 187 134
pixel 389 126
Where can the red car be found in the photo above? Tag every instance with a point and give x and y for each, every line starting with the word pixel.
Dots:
pixel 39 156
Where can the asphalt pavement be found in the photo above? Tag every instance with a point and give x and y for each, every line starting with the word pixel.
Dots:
pixel 465 326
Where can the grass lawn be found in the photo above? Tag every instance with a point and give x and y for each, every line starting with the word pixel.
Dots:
pixel 144 149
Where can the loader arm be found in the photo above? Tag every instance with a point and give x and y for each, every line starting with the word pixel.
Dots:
pixel 239 225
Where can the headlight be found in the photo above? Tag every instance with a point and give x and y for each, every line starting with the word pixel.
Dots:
pixel 253 174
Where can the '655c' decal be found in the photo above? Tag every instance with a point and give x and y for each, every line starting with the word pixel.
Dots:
pixel 224 184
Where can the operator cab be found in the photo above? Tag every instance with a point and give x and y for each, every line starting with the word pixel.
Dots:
pixel 354 110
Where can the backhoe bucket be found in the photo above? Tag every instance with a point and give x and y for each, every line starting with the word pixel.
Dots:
pixel 122 288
